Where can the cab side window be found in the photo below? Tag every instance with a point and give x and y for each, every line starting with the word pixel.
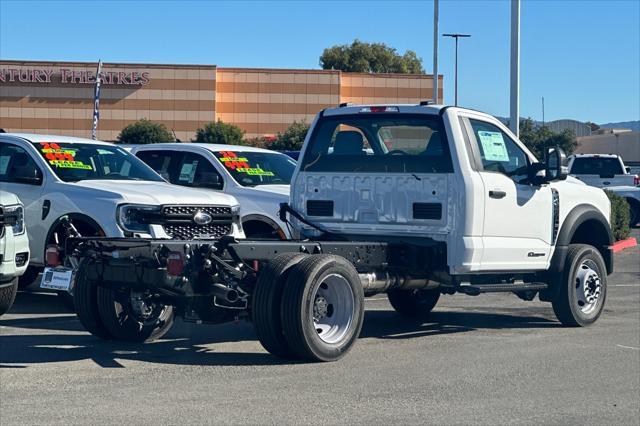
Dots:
pixel 197 171
pixel 17 166
pixel 165 163
pixel 498 152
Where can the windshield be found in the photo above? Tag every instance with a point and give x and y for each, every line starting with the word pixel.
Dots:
pixel 597 166
pixel 257 168
pixel 72 162
pixel 378 142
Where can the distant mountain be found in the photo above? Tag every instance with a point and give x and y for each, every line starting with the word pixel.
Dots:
pixel 633 125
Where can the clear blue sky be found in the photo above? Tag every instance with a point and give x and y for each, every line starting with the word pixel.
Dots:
pixel 582 56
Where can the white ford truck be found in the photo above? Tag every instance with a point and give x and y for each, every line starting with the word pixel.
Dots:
pixel 258 178
pixel 82 187
pixel 14 247
pixel 409 200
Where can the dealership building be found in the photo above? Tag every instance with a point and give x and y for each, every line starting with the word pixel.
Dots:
pixel 58 97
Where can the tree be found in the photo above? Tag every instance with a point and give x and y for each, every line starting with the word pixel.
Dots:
pixel 221 133
pixel 292 138
pixel 539 138
pixel 144 132
pixel 370 57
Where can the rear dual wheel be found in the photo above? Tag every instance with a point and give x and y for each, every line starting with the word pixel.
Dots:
pixel 321 308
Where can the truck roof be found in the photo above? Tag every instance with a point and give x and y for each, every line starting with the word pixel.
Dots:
pixel 432 109
pixel 595 156
pixel 32 137
pixel 207 146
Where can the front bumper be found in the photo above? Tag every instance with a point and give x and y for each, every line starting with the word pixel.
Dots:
pixel 12 246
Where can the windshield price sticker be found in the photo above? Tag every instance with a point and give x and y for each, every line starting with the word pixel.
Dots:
pixel 493 146
pixel 255 172
pixel 64 164
pixel 62 158
pixel 231 160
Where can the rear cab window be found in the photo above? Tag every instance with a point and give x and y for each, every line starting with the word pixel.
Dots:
pixel 596 166
pixel 378 143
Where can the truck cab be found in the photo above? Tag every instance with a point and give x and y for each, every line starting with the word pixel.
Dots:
pixel 428 174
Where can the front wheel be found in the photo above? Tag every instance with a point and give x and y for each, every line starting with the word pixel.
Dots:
pixel 8 295
pixel 413 303
pixel 322 307
pixel 133 316
pixel 582 287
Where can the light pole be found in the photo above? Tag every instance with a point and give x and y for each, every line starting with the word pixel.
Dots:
pixel 435 52
pixel 456 36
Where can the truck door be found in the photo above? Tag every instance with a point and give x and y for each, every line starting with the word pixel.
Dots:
pixel 20 174
pixel 518 219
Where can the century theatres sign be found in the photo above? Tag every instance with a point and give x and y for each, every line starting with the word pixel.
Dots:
pixel 69 76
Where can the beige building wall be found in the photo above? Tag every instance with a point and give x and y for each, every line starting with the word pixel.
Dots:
pixel 180 97
pixel 624 144
pixel 387 88
pixel 266 101
pixel 184 97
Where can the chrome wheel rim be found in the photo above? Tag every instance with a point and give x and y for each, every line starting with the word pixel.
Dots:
pixel 588 287
pixel 332 309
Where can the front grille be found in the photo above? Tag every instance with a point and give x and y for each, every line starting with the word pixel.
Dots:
pixel 193 231
pixel 191 210
pixel 178 222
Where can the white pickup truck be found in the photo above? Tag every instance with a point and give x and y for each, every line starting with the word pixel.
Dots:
pixel 258 178
pixel 601 170
pixel 608 171
pixel 74 186
pixel 409 200
pixel 14 246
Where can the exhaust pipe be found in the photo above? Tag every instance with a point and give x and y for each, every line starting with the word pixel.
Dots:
pixel 378 282
pixel 228 294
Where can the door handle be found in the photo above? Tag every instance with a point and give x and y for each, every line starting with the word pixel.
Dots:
pixel 497 194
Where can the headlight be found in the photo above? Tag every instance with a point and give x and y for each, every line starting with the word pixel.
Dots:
pixel 136 217
pixel 14 217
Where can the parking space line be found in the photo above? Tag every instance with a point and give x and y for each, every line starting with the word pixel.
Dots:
pixel 628 347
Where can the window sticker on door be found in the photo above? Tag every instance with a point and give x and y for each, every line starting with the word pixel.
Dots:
pixel 493 146
pixel 188 172
pixel 62 158
pixel 4 164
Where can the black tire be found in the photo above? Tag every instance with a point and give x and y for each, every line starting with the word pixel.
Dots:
pixel 413 303
pixel 8 295
pixel 300 303
pixel 581 261
pixel 266 304
pixel 85 300
pixel 117 316
pixel 28 277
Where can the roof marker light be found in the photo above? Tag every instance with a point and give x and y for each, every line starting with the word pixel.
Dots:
pixel 380 109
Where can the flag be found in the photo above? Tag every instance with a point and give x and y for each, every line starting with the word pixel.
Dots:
pixel 96 102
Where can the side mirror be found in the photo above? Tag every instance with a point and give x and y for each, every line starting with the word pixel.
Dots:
pixel 555 164
pixel 209 180
pixel 29 177
pixel 627 169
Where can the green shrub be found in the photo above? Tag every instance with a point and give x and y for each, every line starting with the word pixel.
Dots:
pixel 292 138
pixel 221 133
pixel 620 216
pixel 145 131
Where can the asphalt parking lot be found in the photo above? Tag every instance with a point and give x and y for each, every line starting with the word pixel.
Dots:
pixel 491 359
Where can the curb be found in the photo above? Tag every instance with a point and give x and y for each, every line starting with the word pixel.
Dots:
pixel 623 244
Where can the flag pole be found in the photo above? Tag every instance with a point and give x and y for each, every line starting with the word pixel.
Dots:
pixel 96 102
